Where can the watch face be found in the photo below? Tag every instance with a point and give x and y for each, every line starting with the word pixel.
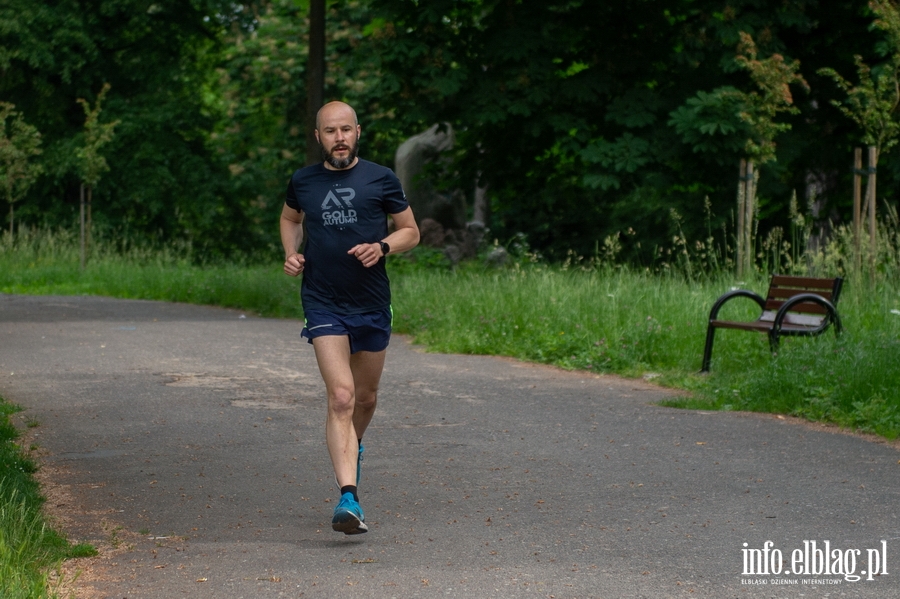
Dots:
pixel 385 248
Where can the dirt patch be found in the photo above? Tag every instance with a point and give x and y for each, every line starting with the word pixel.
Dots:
pixel 76 578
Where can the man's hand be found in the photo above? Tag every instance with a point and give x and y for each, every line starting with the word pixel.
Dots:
pixel 293 264
pixel 367 253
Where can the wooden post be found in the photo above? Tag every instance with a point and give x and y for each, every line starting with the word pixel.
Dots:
pixel 739 234
pixel 81 219
pixel 870 192
pixel 857 205
pixel 89 226
pixel 749 200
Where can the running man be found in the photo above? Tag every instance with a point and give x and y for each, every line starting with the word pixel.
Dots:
pixel 346 296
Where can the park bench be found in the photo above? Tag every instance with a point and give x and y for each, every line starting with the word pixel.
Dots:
pixel 793 306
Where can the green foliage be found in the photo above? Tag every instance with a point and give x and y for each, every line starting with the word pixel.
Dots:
pixel 19 144
pixel 585 150
pixel 92 164
pixel 561 108
pixel 163 181
pixel 773 77
pixel 728 121
pixel 256 94
pixel 626 154
pixel 873 102
pixel 710 122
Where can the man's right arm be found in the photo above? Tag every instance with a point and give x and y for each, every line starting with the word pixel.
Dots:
pixel 291 226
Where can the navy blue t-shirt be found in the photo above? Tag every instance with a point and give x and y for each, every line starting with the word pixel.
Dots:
pixel 342 209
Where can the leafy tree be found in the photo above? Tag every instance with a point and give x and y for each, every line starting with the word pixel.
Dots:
pixel 164 182
pixel 91 163
pixel 19 144
pixel 562 107
pixel 746 122
pixel 872 104
pixel 257 95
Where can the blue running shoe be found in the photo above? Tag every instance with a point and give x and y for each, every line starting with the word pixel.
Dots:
pixel 348 516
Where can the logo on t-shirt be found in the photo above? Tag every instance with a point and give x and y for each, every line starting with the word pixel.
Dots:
pixel 337 208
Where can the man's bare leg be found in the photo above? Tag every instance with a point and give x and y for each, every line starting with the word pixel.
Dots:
pixel 351 382
pixel 333 356
pixel 367 368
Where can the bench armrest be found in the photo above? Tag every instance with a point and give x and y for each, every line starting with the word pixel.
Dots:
pixel 733 294
pixel 808 298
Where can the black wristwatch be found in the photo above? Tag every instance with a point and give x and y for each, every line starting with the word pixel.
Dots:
pixel 385 248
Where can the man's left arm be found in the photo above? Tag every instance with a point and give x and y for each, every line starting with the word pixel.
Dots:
pixel 404 238
pixel 406 232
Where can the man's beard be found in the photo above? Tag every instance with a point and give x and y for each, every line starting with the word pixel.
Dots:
pixel 339 163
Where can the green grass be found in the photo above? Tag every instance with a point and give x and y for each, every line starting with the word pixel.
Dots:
pixel 591 317
pixel 654 326
pixel 41 263
pixel 29 546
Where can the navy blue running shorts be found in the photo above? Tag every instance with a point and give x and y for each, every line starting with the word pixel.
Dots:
pixel 367 332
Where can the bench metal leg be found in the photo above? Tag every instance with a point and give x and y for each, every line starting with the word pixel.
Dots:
pixel 707 351
pixel 773 340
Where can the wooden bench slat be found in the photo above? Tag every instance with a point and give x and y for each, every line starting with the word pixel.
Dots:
pixel 802 282
pixel 744 326
pixel 784 293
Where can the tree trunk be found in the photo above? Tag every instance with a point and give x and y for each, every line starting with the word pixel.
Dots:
pixel 315 77
pixel 81 221
pixel 857 204
pixel 90 222
pixel 739 233
pixel 750 210
pixel 870 202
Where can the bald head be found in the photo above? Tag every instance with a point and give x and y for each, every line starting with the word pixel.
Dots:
pixel 336 110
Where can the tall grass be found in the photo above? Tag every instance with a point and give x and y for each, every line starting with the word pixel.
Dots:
pixel 42 262
pixel 604 320
pixel 640 324
pixel 589 314
pixel 29 547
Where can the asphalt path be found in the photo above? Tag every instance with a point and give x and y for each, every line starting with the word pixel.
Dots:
pixel 187 443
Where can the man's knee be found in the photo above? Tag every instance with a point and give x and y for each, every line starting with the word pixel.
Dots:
pixel 341 400
pixel 366 399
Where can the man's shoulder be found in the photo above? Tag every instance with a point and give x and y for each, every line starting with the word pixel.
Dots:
pixel 370 164
pixel 308 171
pixel 373 167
